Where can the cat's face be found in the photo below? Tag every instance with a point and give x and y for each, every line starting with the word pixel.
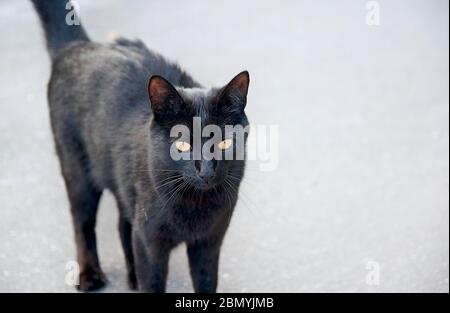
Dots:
pixel 207 161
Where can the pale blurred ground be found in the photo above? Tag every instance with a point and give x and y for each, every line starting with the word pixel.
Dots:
pixel 363 114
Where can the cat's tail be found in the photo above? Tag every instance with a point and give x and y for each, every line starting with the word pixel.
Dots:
pixel 60 22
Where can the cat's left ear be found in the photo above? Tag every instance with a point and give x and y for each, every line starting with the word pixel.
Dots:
pixel 164 98
pixel 234 94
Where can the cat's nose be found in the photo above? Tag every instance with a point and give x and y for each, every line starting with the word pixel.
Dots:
pixel 206 170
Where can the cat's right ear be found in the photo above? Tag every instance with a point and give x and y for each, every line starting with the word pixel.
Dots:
pixel 164 98
pixel 234 95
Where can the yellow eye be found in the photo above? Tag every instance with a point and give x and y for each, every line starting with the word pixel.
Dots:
pixel 182 146
pixel 225 144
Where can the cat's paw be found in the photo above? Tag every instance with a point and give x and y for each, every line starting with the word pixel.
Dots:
pixel 132 281
pixel 91 280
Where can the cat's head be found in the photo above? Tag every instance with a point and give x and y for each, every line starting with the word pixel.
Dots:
pixel 180 155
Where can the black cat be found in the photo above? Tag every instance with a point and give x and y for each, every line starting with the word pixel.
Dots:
pixel 108 135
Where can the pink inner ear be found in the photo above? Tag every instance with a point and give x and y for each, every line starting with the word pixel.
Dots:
pixel 157 87
pixel 163 96
pixel 240 83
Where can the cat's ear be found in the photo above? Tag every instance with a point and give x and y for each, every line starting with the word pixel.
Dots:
pixel 234 94
pixel 164 98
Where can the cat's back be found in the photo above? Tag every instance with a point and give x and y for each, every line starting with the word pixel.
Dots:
pixel 107 81
pixel 92 80
pixel 96 94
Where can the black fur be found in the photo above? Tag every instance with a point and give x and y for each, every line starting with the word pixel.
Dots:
pixel 52 14
pixel 108 136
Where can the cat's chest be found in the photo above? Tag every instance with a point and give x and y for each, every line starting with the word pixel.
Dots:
pixel 195 217
pixel 187 218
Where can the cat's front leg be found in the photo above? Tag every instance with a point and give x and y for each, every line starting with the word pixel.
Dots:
pixel 151 261
pixel 204 263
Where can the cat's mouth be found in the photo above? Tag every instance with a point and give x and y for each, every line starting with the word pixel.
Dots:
pixel 204 185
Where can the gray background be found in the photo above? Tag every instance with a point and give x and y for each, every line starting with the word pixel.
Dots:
pixel 363 151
